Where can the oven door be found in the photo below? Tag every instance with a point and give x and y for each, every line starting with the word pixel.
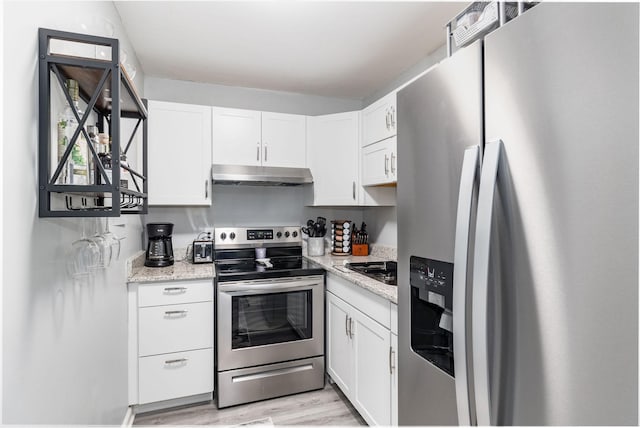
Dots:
pixel 268 321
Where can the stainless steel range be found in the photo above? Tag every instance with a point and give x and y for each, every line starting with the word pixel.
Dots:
pixel 270 315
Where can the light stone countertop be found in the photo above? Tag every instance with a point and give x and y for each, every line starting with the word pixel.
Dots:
pixel 335 265
pixel 181 269
pixel 185 270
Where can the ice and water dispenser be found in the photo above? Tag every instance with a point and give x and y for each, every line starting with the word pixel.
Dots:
pixel 431 311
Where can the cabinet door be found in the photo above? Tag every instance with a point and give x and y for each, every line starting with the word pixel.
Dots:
pixel 379 163
pixel 372 356
pixel 339 344
pixel 332 156
pixel 179 156
pixel 236 137
pixel 379 120
pixel 284 140
pixel 394 379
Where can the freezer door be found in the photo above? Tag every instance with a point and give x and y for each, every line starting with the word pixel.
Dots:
pixel 440 115
pixel 562 269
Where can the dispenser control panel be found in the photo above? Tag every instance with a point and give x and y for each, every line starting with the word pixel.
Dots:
pixel 433 279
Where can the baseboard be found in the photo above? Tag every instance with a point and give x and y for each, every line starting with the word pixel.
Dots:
pixel 173 403
pixel 128 418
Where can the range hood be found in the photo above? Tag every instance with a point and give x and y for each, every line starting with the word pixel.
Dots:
pixel 260 175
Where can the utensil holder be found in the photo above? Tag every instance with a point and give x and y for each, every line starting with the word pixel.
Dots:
pixel 315 246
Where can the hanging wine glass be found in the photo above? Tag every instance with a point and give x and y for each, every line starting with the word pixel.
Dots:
pixel 83 257
pixel 104 247
pixel 113 241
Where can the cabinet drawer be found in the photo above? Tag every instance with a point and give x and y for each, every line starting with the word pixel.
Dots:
pixel 163 377
pixel 175 328
pixel 171 293
pixel 375 307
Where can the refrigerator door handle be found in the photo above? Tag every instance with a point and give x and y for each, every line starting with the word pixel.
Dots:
pixel 468 183
pixel 479 316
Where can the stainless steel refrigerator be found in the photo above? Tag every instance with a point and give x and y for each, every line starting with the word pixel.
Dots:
pixel 518 225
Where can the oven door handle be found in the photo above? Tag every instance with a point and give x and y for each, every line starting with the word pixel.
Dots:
pixel 261 288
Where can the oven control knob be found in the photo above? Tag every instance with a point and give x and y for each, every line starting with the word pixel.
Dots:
pixel 286 234
pixel 294 234
pixel 279 234
pixel 232 236
pixel 223 236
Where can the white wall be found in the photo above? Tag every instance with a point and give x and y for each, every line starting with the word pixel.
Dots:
pixel 247 206
pixel 65 343
pixel 416 69
pixel 382 224
pixel 246 98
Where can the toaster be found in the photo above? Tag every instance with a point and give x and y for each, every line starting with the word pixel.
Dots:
pixel 202 251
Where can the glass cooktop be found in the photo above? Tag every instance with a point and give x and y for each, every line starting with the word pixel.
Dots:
pixel 281 267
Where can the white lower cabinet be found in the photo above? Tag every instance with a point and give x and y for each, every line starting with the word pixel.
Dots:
pixel 171 334
pixel 339 350
pixel 179 374
pixel 372 345
pixel 394 379
pixel 361 350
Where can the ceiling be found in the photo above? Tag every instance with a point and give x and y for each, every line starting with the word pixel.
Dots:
pixel 344 49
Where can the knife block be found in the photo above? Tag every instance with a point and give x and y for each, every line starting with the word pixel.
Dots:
pixel 360 249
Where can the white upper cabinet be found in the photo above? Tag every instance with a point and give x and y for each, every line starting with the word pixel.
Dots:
pixel 332 156
pixel 284 140
pixel 380 120
pixel 380 163
pixel 249 137
pixel 180 156
pixel 237 136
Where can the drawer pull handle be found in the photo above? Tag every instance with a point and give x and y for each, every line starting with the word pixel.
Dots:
pixel 169 313
pixel 178 361
pixel 175 290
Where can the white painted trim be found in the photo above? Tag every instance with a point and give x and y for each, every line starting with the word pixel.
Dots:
pixel 174 402
pixel 127 422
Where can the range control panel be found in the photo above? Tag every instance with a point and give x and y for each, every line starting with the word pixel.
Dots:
pixel 257 236
pixel 433 279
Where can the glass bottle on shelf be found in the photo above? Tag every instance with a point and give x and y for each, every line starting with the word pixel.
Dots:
pixel 92 130
pixel 75 170
pixel 104 154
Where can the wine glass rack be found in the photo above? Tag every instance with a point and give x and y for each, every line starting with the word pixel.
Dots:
pixel 105 87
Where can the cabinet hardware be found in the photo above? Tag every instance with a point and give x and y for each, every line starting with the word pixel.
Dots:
pixel 351 327
pixel 391 359
pixel 393 117
pixel 206 189
pixel 169 313
pixel 179 360
pixel 386 118
pixel 175 289
pixel 386 165
pixel 258 152
pixel 346 323
pixel 265 152
pixel 354 190
pixel 393 168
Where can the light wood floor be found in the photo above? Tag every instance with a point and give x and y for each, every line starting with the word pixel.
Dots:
pixel 327 406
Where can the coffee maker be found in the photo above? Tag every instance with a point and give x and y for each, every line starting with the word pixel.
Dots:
pixel 159 246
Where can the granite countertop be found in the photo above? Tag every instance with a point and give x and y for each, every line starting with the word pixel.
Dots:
pixel 181 269
pixel 185 270
pixel 335 265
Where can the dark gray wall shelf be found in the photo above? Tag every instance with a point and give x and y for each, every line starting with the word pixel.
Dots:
pixel 108 92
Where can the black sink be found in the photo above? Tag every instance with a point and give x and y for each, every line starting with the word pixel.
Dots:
pixel 384 271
